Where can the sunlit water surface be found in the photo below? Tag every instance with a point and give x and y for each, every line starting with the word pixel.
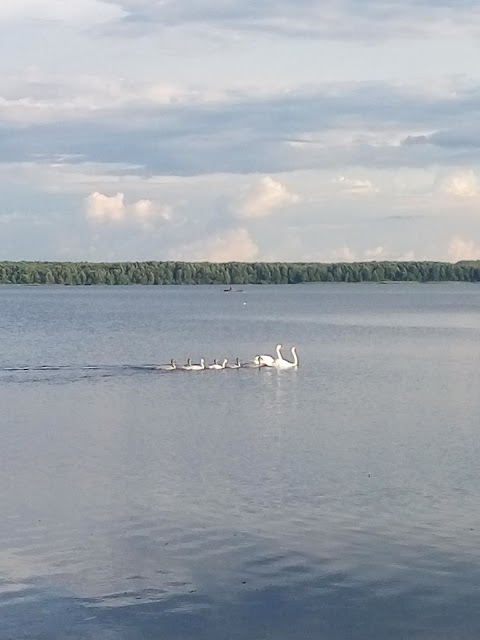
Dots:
pixel 340 500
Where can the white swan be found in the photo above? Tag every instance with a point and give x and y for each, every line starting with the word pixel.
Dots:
pixel 281 363
pixel 269 361
pixel 169 367
pixel 198 367
pixel 188 366
pixel 215 364
pixel 236 365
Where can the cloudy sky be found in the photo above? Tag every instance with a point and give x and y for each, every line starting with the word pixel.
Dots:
pixel 239 130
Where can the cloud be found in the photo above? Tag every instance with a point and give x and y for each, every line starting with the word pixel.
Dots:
pixel 460 249
pixel 329 19
pixel 179 131
pixel 266 197
pixel 406 217
pixel 38 98
pixel 145 211
pixel 234 245
pixel 375 254
pixel 342 254
pixel 378 253
pixel 355 186
pixel 101 208
pixel 69 11
pixel 462 184
pixel 455 137
pixel 342 154
pixel 412 140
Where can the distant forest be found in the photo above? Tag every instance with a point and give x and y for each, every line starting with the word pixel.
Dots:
pixel 232 273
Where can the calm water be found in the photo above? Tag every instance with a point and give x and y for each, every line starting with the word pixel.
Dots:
pixel 337 501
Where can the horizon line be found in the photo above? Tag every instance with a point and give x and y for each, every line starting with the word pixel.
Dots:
pixel 243 262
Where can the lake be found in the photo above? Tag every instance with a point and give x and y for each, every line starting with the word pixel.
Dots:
pixel 338 500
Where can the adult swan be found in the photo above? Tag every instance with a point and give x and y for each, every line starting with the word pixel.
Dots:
pixel 281 363
pixel 268 361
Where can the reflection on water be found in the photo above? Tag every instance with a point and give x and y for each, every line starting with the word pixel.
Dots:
pixel 338 500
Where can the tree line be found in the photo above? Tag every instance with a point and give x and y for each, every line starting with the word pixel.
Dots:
pixel 233 273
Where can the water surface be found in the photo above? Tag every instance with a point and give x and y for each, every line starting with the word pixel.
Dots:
pixel 339 500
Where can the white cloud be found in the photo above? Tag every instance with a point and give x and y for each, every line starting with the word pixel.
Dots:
pixel 351 134
pixel 266 197
pixel 409 256
pixel 70 11
pixel 343 254
pixel 376 254
pixel 460 249
pixel 461 184
pixel 102 208
pixel 112 119
pixel 347 19
pixel 234 245
pixel 38 98
pixel 355 186
pixel 143 209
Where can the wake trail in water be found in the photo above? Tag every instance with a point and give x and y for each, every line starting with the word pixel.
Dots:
pixel 71 373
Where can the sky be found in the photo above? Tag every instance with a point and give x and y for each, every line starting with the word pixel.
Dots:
pixel 322 130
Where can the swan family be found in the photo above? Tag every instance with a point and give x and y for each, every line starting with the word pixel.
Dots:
pixel 278 362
